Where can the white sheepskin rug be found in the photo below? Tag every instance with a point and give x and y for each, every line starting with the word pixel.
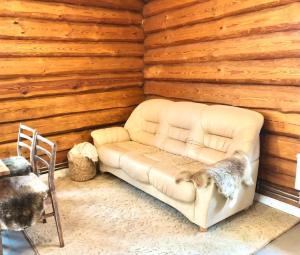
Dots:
pixel 108 216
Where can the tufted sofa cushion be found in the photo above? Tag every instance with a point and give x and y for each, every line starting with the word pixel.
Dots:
pixel 143 124
pixel 111 153
pixel 201 132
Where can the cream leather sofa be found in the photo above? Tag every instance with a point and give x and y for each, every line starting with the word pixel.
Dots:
pixel 162 138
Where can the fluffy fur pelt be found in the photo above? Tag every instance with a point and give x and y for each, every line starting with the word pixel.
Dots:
pixel 21 201
pixel 17 166
pixel 228 174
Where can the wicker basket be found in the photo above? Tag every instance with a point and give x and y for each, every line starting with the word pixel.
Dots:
pixel 82 166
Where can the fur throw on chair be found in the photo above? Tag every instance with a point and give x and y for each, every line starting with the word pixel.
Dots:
pixel 21 201
pixel 17 166
pixel 228 174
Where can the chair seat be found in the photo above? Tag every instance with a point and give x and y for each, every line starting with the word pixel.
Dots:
pixel 17 165
pixel 21 201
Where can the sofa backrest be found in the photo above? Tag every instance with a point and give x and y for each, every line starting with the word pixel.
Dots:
pixel 145 120
pixel 207 133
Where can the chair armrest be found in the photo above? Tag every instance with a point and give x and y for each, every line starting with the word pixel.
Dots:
pixel 110 135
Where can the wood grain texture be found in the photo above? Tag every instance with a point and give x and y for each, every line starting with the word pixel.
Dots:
pixel 203 11
pixel 285 99
pixel 277 165
pixel 57 11
pixel 35 66
pixel 67 67
pixel 265 46
pixel 287 124
pixel 277 71
pixel 34 108
pixel 25 28
pixel 55 85
pixel 243 53
pixel 159 6
pixel 280 146
pixel 135 5
pixel 265 21
pixel 31 48
pixel 70 122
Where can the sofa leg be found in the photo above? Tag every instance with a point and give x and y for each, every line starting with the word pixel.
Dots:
pixel 202 230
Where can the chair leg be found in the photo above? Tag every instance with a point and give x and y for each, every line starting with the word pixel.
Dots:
pixel 1 247
pixel 57 218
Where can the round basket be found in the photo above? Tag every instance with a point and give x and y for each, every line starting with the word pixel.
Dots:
pixel 81 167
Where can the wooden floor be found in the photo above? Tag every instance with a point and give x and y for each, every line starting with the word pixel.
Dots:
pixel 288 244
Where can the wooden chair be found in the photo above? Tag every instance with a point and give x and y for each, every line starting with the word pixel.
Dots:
pixel 44 158
pixel 19 165
pixel 31 141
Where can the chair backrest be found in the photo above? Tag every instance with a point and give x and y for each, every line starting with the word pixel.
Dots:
pixel 27 140
pixel 45 156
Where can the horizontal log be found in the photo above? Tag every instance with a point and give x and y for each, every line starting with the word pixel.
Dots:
pixel 265 46
pixel 28 109
pixel 39 66
pixel 287 124
pixel 135 5
pixel 277 165
pixel 61 157
pixel 51 85
pixel 205 11
pixel 269 20
pixel 159 6
pixel 278 179
pixel 284 99
pixel 280 146
pixel 31 48
pixel 66 123
pixel 278 71
pixel 24 28
pixel 57 11
pixel 64 142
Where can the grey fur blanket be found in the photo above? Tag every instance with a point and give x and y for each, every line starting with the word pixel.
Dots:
pixel 21 201
pixel 228 174
pixel 17 166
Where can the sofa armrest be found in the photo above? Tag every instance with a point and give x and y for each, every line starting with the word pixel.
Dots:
pixel 110 135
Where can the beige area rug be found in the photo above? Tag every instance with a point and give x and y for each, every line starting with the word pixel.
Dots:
pixel 108 216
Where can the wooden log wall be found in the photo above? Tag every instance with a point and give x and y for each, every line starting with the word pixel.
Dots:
pixel 68 67
pixel 244 53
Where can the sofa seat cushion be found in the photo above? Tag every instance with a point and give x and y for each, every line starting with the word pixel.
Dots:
pixel 163 177
pixel 110 154
pixel 137 166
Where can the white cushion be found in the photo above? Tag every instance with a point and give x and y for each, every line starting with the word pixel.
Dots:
pixel 110 154
pixel 163 178
pixel 137 166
